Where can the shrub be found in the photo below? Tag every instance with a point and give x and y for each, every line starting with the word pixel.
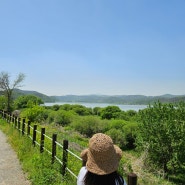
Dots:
pixel 89 125
pixel 131 131
pixel 117 137
pixel 27 101
pixel 35 114
pixel 110 112
pixel 162 129
pixel 63 117
pixel 117 124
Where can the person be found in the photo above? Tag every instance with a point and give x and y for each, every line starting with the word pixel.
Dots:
pixel 102 159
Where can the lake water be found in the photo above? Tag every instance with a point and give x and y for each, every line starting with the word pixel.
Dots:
pixel 92 105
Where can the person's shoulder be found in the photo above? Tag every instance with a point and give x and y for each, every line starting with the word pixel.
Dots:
pixel 83 169
pixel 82 173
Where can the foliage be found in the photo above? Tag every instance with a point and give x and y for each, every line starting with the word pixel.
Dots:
pixel 110 112
pixel 60 117
pixel 76 108
pixel 97 111
pixel 8 88
pixel 27 101
pixel 81 110
pixel 89 125
pixel 162 130
pixel 123 115
pixel 117 124
pixel 117 137
pixel 35 114
pixel 130 131
pixel 51 116
pixel 63 117
pixel 123 133
pixel 131 113
pixel 55 107
pixel 2 102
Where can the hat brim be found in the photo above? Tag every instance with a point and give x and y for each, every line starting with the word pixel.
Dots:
pixel 83 154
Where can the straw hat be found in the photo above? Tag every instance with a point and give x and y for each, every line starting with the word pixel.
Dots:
pixel 102 156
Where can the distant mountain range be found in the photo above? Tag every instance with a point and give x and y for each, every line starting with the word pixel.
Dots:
pixel 114 99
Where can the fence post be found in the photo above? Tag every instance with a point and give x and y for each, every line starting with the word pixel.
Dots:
pixel 65 156
pixel 132 179
pixel 42 140
pixel 19 124
pixel 54 139
pixel 12 120
pixel 28 127
pixel 34 134
pixel 16 121
pixel 8 120
pixel 23 126
pixel 4 115
pixel 7 116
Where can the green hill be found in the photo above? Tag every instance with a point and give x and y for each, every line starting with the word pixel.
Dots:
pixel 121 99
pixel 45 98
pixel 112 99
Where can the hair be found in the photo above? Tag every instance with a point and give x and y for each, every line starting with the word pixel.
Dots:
pixel 108 179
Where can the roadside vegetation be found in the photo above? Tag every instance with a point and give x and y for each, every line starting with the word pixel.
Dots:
pixel 152 139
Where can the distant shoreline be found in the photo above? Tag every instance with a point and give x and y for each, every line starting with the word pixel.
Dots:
pixel 92 105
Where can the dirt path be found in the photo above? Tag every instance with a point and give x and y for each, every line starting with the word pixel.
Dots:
pixel 10 168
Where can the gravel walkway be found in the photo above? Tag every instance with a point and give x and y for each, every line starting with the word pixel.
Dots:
pixel 10 169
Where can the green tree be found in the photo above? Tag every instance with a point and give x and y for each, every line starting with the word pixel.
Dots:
pixel 97 111
pixel 7 87
pixel 35 114
pixel 162 130
pixel 81 110
pixel 27 101
pixel 123 132
pixel 110 112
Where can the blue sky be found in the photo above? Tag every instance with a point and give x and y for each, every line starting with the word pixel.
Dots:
pixel 120 47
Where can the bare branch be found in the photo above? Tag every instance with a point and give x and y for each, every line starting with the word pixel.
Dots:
pixel 4 81
pixel 18 80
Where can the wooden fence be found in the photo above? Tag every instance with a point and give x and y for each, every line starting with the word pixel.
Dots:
pixel 32 132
